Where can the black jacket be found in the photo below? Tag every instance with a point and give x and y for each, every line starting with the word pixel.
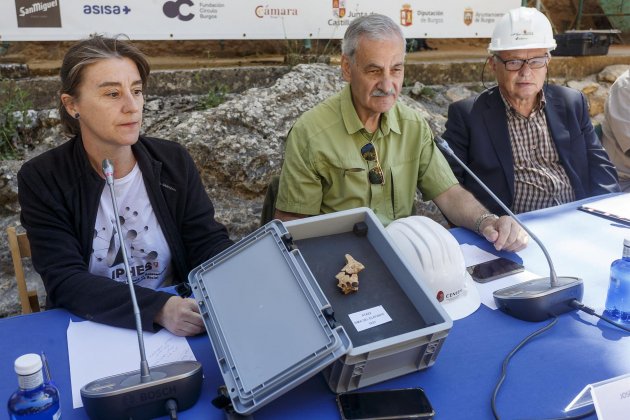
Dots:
pixel 59 193
pixel 477 131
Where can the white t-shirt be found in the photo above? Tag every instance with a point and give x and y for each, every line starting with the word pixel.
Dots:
pixel 148 253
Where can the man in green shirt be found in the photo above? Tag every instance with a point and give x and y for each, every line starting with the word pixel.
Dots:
pixel 361 147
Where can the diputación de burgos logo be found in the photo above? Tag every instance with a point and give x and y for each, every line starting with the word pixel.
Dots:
pixel 38 14
pixel 179 9
pixel 274 12
pixel 406 15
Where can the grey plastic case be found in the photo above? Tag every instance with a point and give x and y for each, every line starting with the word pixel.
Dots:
pixel 275 317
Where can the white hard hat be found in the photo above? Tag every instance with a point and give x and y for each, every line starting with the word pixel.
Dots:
pixel 522 29
pixel 435 256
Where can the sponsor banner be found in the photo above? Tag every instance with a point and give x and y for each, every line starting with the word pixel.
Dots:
pixel 50 20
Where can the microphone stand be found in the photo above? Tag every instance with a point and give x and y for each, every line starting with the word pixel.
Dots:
pixel 533 300
pixel 141 394
pixel 145 374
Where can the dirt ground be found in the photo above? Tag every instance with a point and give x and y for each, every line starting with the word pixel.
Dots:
pixel 174 54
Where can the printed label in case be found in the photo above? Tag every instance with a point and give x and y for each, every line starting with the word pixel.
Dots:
pixel 369 318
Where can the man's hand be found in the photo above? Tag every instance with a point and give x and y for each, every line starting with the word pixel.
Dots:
pixel 504 233
pixel 181 317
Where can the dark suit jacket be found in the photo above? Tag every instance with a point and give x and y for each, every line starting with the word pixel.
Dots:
pixel 477 132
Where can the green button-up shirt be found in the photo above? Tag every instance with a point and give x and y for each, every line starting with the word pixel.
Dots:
pixel 324 171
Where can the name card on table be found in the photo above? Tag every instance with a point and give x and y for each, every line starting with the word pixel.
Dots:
pixel 610 397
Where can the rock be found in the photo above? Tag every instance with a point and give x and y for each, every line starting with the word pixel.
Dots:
pixel 417 88
pixel 13 71
pixel 611 73
pixel 458 93
pixel 597 100
pixel 8 186
pixel 587 86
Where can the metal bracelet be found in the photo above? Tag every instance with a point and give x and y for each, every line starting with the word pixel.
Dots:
pixel 483 217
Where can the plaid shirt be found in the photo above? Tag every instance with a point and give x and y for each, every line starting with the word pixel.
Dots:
pixel 539 178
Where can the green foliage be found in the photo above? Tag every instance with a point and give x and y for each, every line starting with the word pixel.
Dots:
pixel 300 51
pixel 14 104
pixel 427 92
pixel 215 97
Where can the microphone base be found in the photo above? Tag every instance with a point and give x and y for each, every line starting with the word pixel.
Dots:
pixel 537 300
pixel 125 396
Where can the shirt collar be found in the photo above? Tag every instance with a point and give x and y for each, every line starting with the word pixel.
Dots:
pixel 541 102
pixel 352 122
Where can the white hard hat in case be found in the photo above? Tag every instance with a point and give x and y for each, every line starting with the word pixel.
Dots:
pixel 435 256
pixel 522 29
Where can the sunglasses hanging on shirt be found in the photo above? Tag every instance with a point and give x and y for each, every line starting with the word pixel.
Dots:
pixel 375 175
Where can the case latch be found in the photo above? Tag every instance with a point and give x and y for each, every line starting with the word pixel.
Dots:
pixel 287 240
pixel 329 314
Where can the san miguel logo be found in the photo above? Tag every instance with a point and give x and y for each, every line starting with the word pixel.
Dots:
pixel 406 15
pixel 38 14
pixel 339 8
pixel 468 16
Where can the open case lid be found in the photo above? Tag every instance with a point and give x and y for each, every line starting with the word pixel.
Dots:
pixel 270 325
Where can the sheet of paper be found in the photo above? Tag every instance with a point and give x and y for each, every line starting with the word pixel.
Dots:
pixel 475 255
pixel 617 207
pixel 97 351
pixel 486 289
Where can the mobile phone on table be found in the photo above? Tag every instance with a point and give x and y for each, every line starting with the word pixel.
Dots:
pixel 406 403
pixel 494 269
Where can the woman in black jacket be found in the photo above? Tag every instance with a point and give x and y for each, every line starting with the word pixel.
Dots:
pixel 165 214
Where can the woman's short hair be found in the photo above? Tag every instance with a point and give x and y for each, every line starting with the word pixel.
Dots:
pixel 90 51
pixel 373 26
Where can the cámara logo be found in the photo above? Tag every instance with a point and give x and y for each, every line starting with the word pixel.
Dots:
pixel 266 11
pixel 468 16
pixel 173 9
pixel 38 14
pixel 406 15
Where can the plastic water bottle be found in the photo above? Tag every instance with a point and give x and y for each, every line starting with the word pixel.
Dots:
pixel 35 399
pixel 618 300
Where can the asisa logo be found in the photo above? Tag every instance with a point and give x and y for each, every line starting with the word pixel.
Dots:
pixel 105 9
pixel 174 9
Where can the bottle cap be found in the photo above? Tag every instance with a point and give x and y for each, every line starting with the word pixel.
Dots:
pixel 28 364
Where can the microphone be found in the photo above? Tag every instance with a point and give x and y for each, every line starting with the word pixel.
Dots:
pixel 534 300
pixel 144 393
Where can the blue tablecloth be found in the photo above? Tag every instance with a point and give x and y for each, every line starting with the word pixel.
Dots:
pixel 543 378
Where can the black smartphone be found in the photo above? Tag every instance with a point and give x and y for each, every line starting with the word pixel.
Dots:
pixel 494 269
pixel 406 403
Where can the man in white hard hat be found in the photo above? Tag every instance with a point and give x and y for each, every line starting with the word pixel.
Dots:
pixel 363 148
pixel 532 143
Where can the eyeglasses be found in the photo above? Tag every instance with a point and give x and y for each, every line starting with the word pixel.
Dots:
pixel 516 64
pixel 375 175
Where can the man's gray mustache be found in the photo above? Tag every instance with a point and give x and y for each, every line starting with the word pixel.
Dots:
pixel 379 92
